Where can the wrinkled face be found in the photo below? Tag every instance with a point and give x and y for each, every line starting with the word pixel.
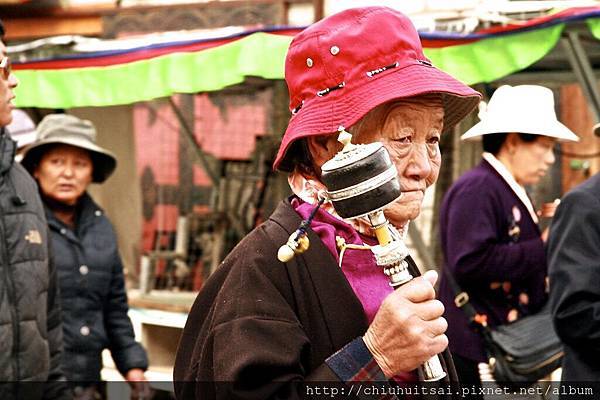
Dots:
pixel 410 129
pixel 7 85
pixel 64 173
pixel 529 161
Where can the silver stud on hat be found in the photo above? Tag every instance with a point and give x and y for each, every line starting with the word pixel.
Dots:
pixel 309 62
pixel 334 50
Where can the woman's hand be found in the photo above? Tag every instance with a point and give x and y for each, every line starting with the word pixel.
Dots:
pixel 140 388
pixel 549 209
pixel 408 328
pixel 545 234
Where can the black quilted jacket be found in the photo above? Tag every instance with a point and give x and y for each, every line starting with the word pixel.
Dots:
pixel 93 295
pixel 30 327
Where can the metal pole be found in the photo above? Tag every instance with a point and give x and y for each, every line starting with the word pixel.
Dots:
pixel 424 252
pixel 189 134
pixel 216 181
pixel 583 71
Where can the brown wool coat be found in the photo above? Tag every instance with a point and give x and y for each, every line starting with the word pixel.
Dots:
pixel 264 324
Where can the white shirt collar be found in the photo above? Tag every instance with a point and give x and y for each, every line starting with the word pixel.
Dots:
pixel 510 179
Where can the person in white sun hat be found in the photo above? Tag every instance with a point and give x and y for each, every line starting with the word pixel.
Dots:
pixel 490 238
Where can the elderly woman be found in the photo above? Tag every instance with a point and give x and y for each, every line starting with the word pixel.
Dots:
pixel 261 326
pixel 491 241
pixel 64 160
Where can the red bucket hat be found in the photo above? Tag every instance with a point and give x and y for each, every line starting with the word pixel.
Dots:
pixel 343 66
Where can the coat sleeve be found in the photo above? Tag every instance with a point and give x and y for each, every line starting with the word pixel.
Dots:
pixel 56 385
pixel 125 351
pixel 574 267
pixel 474 250
pixel 247 342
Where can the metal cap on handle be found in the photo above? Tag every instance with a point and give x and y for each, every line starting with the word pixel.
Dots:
pixel 432 370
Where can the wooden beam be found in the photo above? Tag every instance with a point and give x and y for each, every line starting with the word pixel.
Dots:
pixel 30 28
pixel 319 9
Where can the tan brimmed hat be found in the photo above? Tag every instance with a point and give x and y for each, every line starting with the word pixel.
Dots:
pixel 73 131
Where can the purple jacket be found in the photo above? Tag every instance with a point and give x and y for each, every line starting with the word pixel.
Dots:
pixel 493 249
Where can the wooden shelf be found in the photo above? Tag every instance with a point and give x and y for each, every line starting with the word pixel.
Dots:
pixel 159 333
pixel 164 300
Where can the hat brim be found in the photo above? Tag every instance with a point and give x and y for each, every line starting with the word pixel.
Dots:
pixel 103 160
pixel 549 128
pixel 346 106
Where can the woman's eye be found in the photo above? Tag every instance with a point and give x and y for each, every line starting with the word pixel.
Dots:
pixel 403 140
pixel 433 140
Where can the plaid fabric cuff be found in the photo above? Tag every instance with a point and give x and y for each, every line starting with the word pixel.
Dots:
pixel 354 363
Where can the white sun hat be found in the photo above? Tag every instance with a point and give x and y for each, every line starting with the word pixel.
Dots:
pixel 524 109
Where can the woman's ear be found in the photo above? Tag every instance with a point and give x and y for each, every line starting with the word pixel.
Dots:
pixel 322 148
pixel 512 142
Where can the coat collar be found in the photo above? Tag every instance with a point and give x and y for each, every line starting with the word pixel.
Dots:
pixel 517 189
pixel 328 280
pixel 7 151
pixel 87 211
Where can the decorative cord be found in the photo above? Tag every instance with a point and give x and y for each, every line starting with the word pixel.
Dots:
pixel 342 245
pixel 370 74
pixel 306 223
pixel 328 90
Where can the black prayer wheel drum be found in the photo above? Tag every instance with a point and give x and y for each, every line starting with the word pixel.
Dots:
pixel 361 179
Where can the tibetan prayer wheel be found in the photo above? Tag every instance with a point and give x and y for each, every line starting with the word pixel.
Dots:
pixel 360 179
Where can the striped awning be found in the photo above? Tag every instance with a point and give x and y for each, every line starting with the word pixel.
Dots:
pixel 119 72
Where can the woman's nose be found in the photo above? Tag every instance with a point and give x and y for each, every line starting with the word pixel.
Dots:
pixel 549 158
pixel 419 164
pixel 13 81
pixel 67 170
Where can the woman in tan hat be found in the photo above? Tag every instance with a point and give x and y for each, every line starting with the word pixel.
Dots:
pixel 492 244
pixel 64 160
pixel 261 327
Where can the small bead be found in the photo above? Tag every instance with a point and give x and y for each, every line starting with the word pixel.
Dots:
pixel 285 253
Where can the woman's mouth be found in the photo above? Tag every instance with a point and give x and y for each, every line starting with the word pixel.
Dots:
pixel 410 195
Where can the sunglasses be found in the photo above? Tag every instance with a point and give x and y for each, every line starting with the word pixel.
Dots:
pixel 6 67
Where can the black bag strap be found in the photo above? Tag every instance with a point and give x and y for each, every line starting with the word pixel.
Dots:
pixel 462 301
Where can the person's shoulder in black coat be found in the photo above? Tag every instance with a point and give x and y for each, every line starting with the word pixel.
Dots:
pixel 574 270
